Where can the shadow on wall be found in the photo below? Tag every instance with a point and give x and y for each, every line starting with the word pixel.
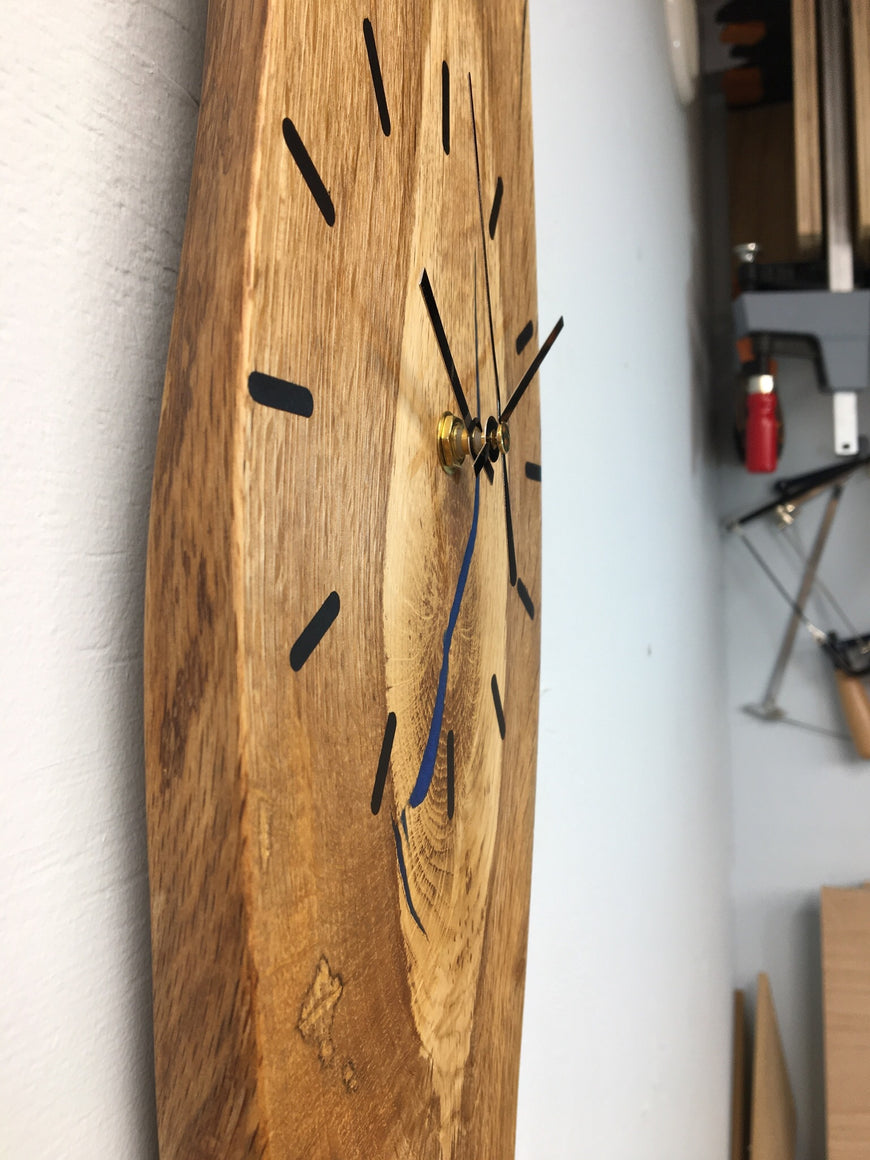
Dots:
pixel 164 50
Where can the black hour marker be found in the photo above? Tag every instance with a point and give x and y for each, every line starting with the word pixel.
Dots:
pixel 528 603
pixel 384 763
pixel 533 471
pixel 377 79
pixel 306 167
pixel 524 337
pixel 499 712
pixel 280 394
pixel 496 206
pixel 445 106
pixel 314 631
pixel 450 776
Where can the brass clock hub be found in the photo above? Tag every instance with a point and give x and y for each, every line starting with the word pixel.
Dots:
pixel 455 442
pixel 498 437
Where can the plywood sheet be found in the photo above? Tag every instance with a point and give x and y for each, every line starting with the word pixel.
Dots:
pixel 773 1117
pixel 808 168
pixel 761 180
pixel 846 990
pixel 861 121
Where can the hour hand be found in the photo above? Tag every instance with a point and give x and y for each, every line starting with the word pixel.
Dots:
pixel 488 450
pixel 441 339
pixel 521 386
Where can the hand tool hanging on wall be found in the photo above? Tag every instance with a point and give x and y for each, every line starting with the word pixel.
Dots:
pixel 850 657
pixel 851 661
pixel 759 426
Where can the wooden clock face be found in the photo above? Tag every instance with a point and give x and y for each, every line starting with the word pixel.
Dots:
pixel 342 639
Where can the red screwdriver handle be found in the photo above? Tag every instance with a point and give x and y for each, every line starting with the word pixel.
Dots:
pixel 762 430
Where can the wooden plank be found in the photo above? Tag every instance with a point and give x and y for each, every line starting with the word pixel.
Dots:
pixel 761 180
pixel 773 1116
pixel 739 1136
pixel 808 164
pixel 846 996
pixel 339 969
pixel 861 121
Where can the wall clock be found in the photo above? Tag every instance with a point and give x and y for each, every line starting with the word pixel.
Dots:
pixel 343 587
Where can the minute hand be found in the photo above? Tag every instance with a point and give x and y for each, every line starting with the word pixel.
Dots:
pixel 521 386
pixel 444 347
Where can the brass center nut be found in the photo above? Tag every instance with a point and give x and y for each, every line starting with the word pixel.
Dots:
pixel 455 442
pixel 452 442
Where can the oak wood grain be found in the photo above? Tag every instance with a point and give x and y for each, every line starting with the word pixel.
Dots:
pixel 773 1119
pixel 206 1051
pixel 846 998
pixel 331 982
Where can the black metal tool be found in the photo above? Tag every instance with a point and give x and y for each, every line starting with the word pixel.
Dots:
pixel 850 658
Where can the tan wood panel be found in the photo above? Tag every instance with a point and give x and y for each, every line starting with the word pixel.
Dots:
pixel 807 142
pixel 846 995
pixel 861 122
pixel 773 1127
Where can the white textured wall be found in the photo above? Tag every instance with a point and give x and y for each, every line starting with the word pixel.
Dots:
pixel 97 123
pixel 627 1018
pixel 627 1032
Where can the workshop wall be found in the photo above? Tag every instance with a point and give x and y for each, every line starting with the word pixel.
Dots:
pixel 627 1022
pixel 800 796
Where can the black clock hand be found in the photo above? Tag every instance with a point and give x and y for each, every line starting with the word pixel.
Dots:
pixel 441 339
pixel 427 764
pixel 512 556
pixel 452 373
pixel 520 390
pixel 521 386
pixel 483 243
pixel 509 524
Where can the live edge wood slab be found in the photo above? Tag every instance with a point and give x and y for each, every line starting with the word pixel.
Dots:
pixel 342 640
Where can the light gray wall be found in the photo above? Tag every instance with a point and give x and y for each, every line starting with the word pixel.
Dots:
pixel 801 798
pixel 627 1034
